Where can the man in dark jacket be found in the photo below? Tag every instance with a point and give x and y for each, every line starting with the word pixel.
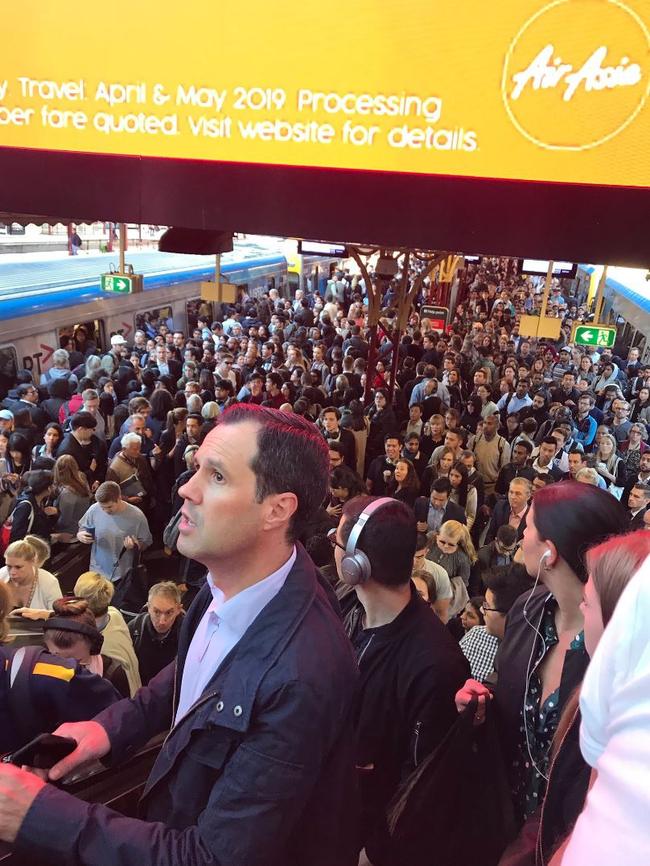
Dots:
pixel 155 632
pixel 431 513
pixel 513 510
pixel 258 767
pixel 330 418
pixel 409 663
pixel 86 448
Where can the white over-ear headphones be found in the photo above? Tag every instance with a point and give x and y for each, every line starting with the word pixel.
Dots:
pixel 355 565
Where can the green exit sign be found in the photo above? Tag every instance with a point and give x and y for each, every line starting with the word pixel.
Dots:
pixel 603 336
pixel 121 284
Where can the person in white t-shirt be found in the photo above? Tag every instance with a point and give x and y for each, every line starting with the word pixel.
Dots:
pixel 32 589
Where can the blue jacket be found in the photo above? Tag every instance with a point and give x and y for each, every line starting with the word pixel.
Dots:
pixel 260 772
pixel 586 430
pixel 46 692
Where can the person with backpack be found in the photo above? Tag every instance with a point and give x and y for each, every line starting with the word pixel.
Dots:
pixel 39 691
pixel 30 514
pixel 492 452
pixel 60 369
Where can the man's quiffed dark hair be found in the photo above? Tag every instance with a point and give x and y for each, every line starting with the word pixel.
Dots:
pixel 83 419
pixel 387 539
pixel 38 480
pixel 292 457
pixel 507 583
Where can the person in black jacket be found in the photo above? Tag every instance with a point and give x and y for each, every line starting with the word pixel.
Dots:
pixel 431 513
pixel 86 448
pixel 512 510
pixel 409 662
pixel 30 514
pixel 155 631
pixel 333 432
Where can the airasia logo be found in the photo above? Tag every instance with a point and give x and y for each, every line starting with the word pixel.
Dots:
pixel 547 71
pixel 562 89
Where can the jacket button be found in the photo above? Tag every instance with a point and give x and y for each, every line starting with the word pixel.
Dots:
pixel 219 706
pixel 238 710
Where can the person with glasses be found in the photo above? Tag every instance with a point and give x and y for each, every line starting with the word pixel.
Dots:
pixel 504 584
pixel 28 399
pixel 500 551
pixel 455 552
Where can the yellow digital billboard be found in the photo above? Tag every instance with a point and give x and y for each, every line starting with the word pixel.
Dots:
pixel 516 89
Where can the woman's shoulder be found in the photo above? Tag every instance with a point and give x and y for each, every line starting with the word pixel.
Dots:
pixel 47 578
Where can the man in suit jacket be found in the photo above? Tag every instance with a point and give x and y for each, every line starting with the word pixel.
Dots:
pixel 330 419
pixel 28 399
pixel 512 510
pixel 433 512
pixel 166 365
pixel 637 503
pixel 259 764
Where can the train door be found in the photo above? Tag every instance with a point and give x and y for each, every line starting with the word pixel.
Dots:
pixel 81 335
pixel 8 369
pixel 150 321
pixel 196 308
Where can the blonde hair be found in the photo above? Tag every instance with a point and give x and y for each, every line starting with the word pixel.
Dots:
pixel 459 534
pixel 31 548
pixel 587 475
pixel 613 458
pixel 41 547
pixel 96 590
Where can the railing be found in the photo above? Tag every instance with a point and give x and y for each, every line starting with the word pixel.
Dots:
pixel 118 787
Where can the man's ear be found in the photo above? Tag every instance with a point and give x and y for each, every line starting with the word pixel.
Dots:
pixel 280 508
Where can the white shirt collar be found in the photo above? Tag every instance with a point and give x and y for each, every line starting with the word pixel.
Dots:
pixel 238 612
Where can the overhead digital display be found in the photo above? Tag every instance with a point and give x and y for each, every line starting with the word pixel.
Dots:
pixel 318 248
pixel 537 267
pixel 520 89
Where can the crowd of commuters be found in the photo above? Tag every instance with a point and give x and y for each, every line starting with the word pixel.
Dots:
pixel 477 482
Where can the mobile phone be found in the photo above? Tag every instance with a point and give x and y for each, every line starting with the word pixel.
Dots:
pixel 89 529
pixel 43 752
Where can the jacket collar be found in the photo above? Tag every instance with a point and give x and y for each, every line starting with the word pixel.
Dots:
pixel 238 677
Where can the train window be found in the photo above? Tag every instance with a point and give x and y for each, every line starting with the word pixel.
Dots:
pixel 195 309
pixel 150 321
pixel 82 335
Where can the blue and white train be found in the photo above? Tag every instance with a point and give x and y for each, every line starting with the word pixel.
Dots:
pixel 44 300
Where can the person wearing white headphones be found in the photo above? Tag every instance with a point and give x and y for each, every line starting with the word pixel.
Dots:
pixel 542 657
pixel 410 665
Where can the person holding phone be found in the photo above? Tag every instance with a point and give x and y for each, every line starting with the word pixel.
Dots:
pixel 111 525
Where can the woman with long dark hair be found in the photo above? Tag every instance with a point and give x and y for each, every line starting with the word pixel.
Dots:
pixel 462 492
pixel 542 657
pixel 19 457
pixel 405 484
pixel 162 404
